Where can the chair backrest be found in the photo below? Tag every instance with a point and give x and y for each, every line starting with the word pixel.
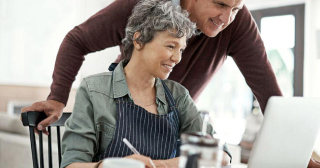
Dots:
pixel 32 119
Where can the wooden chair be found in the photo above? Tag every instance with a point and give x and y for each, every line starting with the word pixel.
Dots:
pixel 32 119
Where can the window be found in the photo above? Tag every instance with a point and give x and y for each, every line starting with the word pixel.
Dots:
pixel 282 30
pixel 228 98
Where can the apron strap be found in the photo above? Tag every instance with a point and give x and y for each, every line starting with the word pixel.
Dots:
pixel 169 96
pixel 112 66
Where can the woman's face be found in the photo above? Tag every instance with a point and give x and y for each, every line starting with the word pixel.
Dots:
pixel 162 54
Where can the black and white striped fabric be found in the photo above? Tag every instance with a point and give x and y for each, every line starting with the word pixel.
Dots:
pixel 152 135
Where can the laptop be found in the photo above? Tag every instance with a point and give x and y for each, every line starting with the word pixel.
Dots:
pixel 288 133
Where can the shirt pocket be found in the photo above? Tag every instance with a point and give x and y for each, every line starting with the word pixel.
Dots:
pixel 105 132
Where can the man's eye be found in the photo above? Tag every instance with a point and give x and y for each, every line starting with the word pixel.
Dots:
pixel 170 46
pixel 220 5
pixel 235 9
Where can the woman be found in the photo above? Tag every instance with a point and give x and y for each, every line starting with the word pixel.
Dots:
pixel 134 101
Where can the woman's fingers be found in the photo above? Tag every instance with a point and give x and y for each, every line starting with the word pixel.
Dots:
pixel 225 159
pixel 144 159
pixel 160 164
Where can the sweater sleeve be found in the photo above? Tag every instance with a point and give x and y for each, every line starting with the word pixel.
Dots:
pixel 104 29
pixel 248 51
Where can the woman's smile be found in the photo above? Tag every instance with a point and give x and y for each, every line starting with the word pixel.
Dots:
pixel 167 67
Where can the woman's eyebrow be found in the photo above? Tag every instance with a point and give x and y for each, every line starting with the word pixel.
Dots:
pixel 177 43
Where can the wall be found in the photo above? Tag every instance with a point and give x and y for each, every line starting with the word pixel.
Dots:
pixel 28 94
pixel 31 33
pixel 263 4
pixel 312 49
pixel 312 54
pixel 98 62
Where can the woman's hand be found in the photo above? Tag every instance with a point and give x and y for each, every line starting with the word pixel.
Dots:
pixel 225 159
pixel 160 163
pixel 146 160
pixel 170 163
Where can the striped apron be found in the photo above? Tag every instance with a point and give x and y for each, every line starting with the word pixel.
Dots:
pixel 152 135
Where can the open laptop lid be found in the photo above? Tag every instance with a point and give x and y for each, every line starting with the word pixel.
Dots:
pixel 288 133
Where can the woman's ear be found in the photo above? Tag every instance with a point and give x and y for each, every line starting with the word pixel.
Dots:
pixel 137 45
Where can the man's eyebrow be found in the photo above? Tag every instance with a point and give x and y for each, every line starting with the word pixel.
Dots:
pixel 223 3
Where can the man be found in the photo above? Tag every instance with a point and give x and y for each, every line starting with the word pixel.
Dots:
pixel 227 29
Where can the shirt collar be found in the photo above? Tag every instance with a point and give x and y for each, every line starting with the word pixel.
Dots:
pixel 120 86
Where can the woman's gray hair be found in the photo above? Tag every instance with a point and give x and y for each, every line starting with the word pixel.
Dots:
pixel 151 16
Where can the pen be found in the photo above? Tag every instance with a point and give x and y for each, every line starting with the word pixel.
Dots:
pixel 134 150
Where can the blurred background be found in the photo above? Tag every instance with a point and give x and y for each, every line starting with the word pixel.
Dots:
pixel 32 31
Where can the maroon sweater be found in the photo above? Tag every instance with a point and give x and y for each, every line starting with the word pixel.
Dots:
pixel 201 59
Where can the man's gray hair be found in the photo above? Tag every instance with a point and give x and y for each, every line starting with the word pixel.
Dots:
pixel 151 16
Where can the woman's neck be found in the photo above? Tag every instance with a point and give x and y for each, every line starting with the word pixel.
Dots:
pixel 138 78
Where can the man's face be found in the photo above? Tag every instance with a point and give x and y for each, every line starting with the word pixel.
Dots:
pixel 212 16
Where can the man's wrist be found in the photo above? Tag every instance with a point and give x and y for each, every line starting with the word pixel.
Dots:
pixel 62 100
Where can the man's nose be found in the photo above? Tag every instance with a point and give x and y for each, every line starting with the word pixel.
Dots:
pixel 226 15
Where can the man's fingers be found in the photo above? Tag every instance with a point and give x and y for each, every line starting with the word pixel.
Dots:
pixel 26 109
pixel 34 107
pixel 46 122
pixel 45 131
pixel 37 106
pixel 36 130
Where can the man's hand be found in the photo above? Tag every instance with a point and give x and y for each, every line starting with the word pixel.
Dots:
pixel 53 109
pixel 314 163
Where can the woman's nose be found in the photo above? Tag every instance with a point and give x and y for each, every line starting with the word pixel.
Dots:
pixel 176 57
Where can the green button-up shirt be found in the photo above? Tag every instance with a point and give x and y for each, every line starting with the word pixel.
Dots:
pixel 90 128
